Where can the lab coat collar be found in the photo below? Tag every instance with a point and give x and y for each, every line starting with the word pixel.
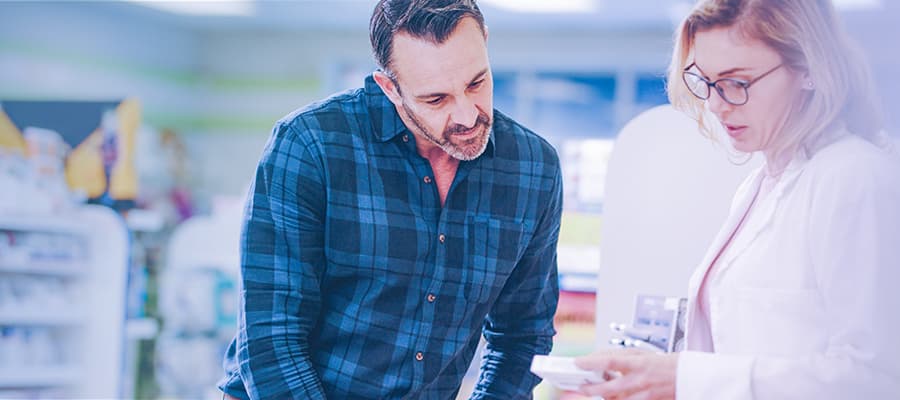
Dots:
pixel 764 212
pixel 764 207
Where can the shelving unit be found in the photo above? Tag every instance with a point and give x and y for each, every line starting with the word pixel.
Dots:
pixel 38 376
pixel 198 301
pixel 32 318
pixel 62 291
pixel 73 269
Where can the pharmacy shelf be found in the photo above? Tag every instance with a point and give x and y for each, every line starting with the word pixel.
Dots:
pixel 38 318
pixel 30 377
pixel 62 269
pixel 89 324
pixel 42 224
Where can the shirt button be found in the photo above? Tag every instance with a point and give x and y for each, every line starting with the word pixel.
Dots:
pixel 442 238
pixel 427 179
pixel 431 297
pixel 420 356
pixel 405 138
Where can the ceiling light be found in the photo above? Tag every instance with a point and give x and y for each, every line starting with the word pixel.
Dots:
pixel 544 6
pixel 237 8
pixel 857 4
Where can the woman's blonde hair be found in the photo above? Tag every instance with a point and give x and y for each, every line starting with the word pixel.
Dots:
pixel 810 38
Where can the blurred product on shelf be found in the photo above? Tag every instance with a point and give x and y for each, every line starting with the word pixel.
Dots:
pixel 29 346
pixel 33 297
pixel 164 172
pixel 33 182
pixel 83 146
pixel 574 323
pixel 46 152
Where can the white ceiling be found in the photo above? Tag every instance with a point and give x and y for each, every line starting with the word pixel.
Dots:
pixel 354 15
pixel 298 15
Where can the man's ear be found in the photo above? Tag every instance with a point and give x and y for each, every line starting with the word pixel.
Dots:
pixel 388 86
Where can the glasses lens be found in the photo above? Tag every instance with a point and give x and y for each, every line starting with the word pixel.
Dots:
pixel 697 85
pixel 733 91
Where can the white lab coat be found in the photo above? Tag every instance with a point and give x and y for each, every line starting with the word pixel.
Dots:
pixel 811 306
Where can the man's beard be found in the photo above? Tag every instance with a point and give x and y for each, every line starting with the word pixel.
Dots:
pixel 465 151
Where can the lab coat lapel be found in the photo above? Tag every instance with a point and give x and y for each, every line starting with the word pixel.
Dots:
pixel 741 203
pixel 762 214
pixel 743 199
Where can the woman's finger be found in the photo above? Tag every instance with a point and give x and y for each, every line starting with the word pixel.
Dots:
pixel 615 388
pixel 623 363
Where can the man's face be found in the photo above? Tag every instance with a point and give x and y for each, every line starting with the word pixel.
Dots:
pixel 444 92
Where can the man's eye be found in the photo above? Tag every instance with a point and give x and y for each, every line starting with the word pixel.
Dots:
pixel 475 85
pixel 435 101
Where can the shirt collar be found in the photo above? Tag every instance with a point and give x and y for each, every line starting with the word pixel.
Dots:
pixel 386 123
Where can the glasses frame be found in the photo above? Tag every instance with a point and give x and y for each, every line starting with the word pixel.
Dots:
pixel 715 84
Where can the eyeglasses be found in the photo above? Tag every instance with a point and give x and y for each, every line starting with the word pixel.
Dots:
pixel 733 91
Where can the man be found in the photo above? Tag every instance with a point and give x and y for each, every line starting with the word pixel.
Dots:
pixel 391 225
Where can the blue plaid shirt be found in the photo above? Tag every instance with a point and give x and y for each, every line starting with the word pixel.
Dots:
pixel 358 284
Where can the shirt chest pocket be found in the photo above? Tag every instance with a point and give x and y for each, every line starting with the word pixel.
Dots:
pixel 493 248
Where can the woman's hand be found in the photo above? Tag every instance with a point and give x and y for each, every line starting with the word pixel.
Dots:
pixel 644 375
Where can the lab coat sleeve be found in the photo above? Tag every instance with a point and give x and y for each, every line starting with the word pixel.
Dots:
pixel 853 234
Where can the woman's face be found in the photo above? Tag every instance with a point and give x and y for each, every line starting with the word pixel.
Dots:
pixel 723 53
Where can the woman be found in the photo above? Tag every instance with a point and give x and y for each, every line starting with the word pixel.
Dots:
pixel 796 298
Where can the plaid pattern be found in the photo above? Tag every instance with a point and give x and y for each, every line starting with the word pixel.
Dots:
pixel 358 284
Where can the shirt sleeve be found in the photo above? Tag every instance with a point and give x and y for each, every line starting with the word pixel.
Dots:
pixel 853 230
pixel 281 258
pixel 520 324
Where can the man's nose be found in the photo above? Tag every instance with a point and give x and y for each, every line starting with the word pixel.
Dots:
pixel 464 112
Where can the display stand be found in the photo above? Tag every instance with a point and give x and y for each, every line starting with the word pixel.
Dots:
pixel 668 190
pixel 62 291
pixel 198 301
